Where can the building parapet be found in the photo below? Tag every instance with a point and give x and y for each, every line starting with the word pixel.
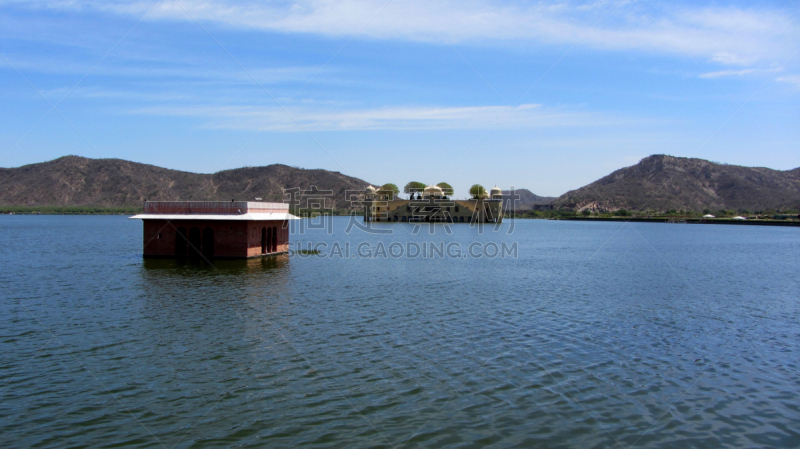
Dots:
pixel 214 207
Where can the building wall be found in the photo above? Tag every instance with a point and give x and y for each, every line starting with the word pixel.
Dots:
pixel 383 208
pixel 478 210
pixel 254 236
pixel 232 239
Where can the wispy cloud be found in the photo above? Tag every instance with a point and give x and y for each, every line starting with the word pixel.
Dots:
pixel 395 118
pixel 723 73
pixel 742 72
pixel 793 79
pixel 172 70
pixel 725 57
pixel 722 35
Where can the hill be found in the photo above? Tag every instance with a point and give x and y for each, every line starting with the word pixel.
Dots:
pixel 80 181
pixel 527 199
pixel 661 183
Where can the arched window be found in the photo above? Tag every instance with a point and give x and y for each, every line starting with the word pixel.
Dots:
pixel 461 220
pixel 208 242
pixel 195 241
pixel 180 242
pixel 404 219
pixel 263 240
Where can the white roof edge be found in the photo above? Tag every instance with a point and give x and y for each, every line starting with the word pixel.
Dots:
pixel 220 217
pixel 260 203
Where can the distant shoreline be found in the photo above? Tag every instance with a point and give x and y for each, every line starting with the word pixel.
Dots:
pixel 722 221
pixel 68 210
pixel 100 210
pixel 90 210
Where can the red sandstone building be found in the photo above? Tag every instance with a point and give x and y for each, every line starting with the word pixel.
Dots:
pixel 237 229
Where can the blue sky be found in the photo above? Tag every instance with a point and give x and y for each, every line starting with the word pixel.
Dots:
pixel 544 96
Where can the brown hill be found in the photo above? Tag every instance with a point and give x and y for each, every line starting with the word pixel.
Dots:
pixel 527 199
pixel 79 181
pixel 663 182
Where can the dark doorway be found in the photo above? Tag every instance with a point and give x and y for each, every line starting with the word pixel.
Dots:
pixel 195 242
pixel 180 242
pixel 268 243
pixel 208 242
pixel 274 239
pixel 263 240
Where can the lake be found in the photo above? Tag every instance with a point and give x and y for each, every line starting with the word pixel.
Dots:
pixel 571 334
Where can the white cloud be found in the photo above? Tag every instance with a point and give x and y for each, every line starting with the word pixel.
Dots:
pixel 725 57
pixel 742 72
pixel 723 35
pixel 793 79
pixel 174 69
pixel 396 118
pixel 722 73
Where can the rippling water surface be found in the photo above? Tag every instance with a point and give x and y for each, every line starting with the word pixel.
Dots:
pixel 595 335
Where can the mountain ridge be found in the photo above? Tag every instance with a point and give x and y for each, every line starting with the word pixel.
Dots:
pixel 657 183
pixel 526 199
pixel 662 182
pixel 80 181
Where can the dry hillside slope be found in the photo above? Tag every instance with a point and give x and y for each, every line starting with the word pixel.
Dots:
pixel 79 181
pixel 526 199
pixel 663 182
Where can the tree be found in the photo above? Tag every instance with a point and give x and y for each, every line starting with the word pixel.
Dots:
pixel 414 187
pixel 389 188
pixel 622 213
pixel 477 190
pixel 447 189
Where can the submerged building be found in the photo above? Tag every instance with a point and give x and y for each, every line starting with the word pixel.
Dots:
pixel 236 229
pixel 432 205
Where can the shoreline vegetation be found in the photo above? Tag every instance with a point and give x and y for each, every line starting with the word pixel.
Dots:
pixel 743 217
pixel 69 210
pixel 104 210
pixel 769 217
pixel 754 222
pixel 561 214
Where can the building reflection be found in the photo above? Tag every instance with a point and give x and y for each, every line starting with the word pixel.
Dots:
pixel 185 286
pixel 193 267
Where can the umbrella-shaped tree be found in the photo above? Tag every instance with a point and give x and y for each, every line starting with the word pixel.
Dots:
pixel 477 190
pixel 389 189
pixel 414 187
pixel 447 189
